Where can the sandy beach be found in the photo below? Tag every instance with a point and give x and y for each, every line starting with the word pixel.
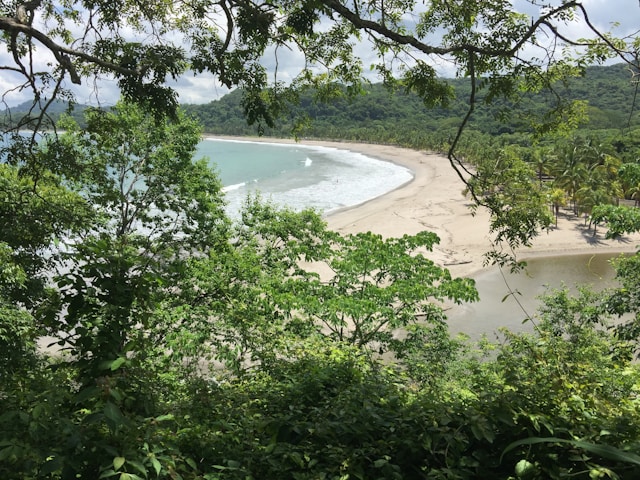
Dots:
pixel 434 201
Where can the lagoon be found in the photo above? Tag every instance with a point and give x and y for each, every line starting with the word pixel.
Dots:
pixel 506 300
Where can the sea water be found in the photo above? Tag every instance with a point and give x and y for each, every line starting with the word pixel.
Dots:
pixel 299 176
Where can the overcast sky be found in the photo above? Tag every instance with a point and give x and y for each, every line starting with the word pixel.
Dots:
pixel 203 88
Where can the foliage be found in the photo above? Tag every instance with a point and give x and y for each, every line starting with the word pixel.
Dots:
pixel 505 184
pixel 288 277
pixel 36 211
pixel 17 328
pixel 619 219
pixel 327 411
pixel 486 42
pixel 151 207
pixel 300 315
pixel 578 368
pixel 399 117
pixel 153 281
pixel 378 288
pixel 624 302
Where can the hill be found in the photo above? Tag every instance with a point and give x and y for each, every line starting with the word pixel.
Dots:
pixel 9 116
pixel 383 115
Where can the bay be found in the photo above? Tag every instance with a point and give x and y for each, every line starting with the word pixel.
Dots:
pixel 299 176
pixel 326 178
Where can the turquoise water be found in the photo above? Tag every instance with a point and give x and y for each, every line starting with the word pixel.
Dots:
pixel 300 176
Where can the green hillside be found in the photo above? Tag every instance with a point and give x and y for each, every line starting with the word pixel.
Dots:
pixel 382 115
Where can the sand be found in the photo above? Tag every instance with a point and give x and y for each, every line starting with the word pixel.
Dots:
pixel 434 201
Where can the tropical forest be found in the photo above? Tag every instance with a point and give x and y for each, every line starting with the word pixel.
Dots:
pixel 147 334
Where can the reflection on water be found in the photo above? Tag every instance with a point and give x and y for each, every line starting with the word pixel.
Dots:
pixel 497 308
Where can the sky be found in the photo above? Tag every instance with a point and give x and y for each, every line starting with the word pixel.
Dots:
pixel 204 88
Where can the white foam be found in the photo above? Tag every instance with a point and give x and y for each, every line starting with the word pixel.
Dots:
pixel 230 188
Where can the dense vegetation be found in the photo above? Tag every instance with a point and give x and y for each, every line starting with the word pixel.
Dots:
pixel 188 346
pixel 398 116
pixel 143 334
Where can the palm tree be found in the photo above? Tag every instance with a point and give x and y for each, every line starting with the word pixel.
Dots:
pixel 606 171
pixel 589 196
pixel 543 163
pixel 570 171
pixel 629 174
pixel 586 167
pixel 558 198
pixel 634 194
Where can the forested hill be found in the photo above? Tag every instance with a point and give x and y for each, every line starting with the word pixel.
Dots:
pixel 384 116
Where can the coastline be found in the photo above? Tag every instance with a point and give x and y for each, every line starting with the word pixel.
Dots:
pixel 434 201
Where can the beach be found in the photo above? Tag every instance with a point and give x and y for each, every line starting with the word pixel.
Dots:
pixel 434 201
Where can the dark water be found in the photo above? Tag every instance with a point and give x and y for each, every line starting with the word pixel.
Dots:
pixel 497 308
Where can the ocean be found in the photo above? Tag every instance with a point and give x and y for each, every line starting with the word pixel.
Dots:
pixel 299 176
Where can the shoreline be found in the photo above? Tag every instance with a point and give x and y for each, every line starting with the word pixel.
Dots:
pixel 433 201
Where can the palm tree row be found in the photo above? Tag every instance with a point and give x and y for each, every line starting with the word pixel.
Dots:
pixel 584 174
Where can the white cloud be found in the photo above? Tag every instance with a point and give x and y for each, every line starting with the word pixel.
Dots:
pixel 200 88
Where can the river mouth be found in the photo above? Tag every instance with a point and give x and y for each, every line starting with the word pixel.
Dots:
pixel 506 300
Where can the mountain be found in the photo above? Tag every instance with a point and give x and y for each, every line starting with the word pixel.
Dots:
pixel 609 92
pixel 9 116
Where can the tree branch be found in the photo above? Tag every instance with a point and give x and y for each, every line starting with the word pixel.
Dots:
pixel 365 24
pixel 61 52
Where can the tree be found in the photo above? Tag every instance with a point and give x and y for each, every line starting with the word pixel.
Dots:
pixel 570 170
pixel 542 162
pixel 152 206
pixel 36 211
pixel 115 301
pixel 619 219
pixel 558 198
pixel 382 295
pixel 506 184
pixel 625 301
pixel 634 193
pixel 630 178
pixel 288 278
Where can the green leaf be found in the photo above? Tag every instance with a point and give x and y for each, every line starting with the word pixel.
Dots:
pixel 7 452
pixel 113 415
pixel 380 462
pixel 164 418
pixel 85 394
pixel 605 451
pixel 138 466
pixel 52 464
pixel 108 473
pixel 156 466
pixel 118 462
pixel 117 363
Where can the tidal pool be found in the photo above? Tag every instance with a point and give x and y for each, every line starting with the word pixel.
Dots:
pixel 498 307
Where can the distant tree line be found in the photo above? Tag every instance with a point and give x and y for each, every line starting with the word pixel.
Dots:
pixel 393 115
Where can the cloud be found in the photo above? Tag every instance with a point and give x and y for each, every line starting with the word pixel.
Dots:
pixel 200 88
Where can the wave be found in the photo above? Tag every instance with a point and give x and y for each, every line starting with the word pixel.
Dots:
pixel 230 188
pixel 308 162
